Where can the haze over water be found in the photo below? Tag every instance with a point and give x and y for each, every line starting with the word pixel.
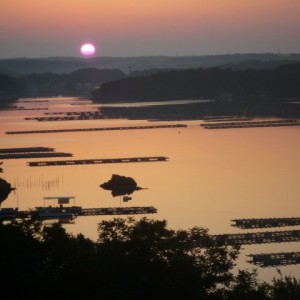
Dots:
pixel 212 176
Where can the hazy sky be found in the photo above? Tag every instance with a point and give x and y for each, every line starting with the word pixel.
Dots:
pixel 35 28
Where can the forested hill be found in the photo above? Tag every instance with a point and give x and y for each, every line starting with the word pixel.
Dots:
pixel 214 83
pixel 60 65
pixel 77 83
pixel 10 89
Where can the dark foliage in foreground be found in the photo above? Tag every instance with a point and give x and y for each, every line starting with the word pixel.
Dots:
pixel 132 259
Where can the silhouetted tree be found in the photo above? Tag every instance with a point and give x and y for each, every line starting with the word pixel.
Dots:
pixel 246 286
pixel 285 288
pixel 132 259
pixel 146 258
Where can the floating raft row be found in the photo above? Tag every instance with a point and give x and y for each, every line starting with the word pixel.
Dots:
pixel 275 259
pixel 265 223
pixel 33 101
pixel 31 152
pixel 11 214
pixel 257 238
pixel 20 108
pixel 98 129
pixel 205 118
pixel 70 113
pixel 26 149
pixel 119 211
pixel 35 155
pixel 97 161
pixel 81 116
pixel 226 120
pixel 251 124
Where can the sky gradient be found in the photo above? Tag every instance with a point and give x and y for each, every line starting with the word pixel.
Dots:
pixel 35 28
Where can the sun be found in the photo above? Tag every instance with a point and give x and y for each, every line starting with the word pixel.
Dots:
pixel 88 49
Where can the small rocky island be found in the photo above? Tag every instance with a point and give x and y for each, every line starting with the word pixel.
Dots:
pixel 121 185
pixel 5 189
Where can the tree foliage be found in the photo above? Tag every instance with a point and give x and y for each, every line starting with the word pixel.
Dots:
pixel 11 88
pixel 213 83
pixel 132 259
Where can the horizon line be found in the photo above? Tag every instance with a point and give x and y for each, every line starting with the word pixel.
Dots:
pixel 158 55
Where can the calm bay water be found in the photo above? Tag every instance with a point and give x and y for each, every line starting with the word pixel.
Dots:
pixel 212 176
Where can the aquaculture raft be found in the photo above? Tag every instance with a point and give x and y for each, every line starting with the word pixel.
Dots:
pixel 35 155
pixel 31 152
pixel 97 161
pixel 251 124
pixel 275 259
pixel 80 116
pixel 26 149
pixel 265 223
pixel 119 211
pixel 257 238
pixel 42 213
pixel 97 129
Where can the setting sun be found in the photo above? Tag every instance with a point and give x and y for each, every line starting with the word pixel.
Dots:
pixel 87 50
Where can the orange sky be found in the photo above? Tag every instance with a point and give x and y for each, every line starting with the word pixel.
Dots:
pixel 148 27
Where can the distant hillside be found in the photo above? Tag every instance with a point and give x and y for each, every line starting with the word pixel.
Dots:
pixel 94 76
pixel 214 83
pixel 76 83
pixel 11 89
pixel 22 66
pixel 257 64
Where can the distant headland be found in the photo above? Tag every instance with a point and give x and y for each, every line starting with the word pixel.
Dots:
pixel 240 84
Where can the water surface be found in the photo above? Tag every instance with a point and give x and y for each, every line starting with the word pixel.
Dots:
pixel 212 176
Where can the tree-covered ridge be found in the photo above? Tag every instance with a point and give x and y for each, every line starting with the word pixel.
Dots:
pixel 214 83
pixel 60 65
pixel 74 83
pixel 10 88
pixel 77 83
pixel 132 259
